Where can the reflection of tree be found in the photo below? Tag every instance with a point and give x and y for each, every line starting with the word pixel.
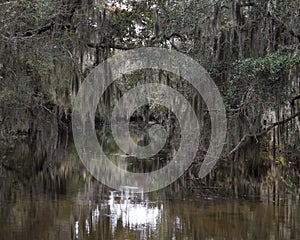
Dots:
pixel 250 48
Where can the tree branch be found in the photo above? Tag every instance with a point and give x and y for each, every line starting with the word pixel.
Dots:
pixel 175 34
pixel 247 4
pixel 110 45
pixel 295 99
pixel 262 133
pixel 278 123
pixel 238 145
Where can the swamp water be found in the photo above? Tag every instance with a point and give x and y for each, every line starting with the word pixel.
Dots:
pixel 60 200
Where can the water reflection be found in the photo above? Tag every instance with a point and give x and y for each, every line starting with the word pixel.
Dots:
pixel 122 211
pixel 131 214
pixel 128 216
pixel 64 202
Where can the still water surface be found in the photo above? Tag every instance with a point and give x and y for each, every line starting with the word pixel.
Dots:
pixel 78 215
pixel 63 201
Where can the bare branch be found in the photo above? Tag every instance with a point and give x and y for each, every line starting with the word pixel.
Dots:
pixel 238 145
pixel 295 99
pixel 114 46
pixel 278 123
pixel 175 34
pixel 244 138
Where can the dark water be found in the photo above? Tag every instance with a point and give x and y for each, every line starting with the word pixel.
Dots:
pixel 62 201
pixel 76 216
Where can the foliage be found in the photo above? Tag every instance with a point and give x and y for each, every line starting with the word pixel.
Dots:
pixel 267 76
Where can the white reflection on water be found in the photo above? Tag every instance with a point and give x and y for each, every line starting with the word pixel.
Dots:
pixel 76 229
pixel 95 216
pixel 135 215
pixel 87 226
pixel 125 208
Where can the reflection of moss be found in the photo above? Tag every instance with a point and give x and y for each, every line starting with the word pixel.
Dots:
pixel 269 176
pixel 288 183
pixel 282 160
pixel 266 156
pixel 65 210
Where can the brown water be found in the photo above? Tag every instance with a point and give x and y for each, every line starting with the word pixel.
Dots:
pixel 79 214
pixel 62 201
